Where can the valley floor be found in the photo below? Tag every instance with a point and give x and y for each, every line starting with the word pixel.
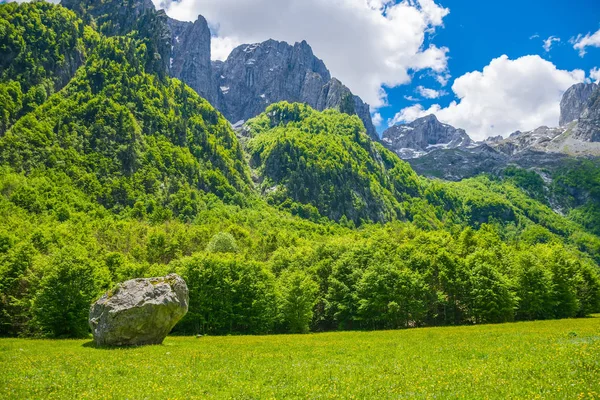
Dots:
pixel 549 359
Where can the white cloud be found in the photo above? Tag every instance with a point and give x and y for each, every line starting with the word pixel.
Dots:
pixel 508 95
pixel 411 113
pixel 430 93
pixel 589 40
pixel 549 42
pixel 221 47
pixel 367 44
pixel 595 75
pixel 443 79
pixel 377 119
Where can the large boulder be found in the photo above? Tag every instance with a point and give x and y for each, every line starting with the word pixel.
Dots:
pixel 139 312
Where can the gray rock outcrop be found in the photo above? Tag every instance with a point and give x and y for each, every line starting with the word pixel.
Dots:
pixel 518 142
pixel 332 96
pixel 575 101
pixel 256 75
pixel 253 76
pixel 139 311
pixel 588 125
pixel 423 136
pixel 190 56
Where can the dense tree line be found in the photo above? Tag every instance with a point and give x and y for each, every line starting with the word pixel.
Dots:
pixel 268 272
pixel 126 173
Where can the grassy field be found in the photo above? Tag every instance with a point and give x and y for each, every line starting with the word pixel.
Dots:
pixel 552 359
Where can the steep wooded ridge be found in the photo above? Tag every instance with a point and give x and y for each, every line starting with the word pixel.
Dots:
pixel 241 87
pixel 326 160
pixel 299 222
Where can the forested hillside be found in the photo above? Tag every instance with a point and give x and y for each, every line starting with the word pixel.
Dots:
pixel 327 161
pixel 302 223
pixel 41 48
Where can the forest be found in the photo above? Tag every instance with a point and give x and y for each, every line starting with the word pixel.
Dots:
pixel 297 223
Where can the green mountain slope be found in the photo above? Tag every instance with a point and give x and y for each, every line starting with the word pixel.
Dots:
pixel 127 137
pixel 326 160
pixel 41 47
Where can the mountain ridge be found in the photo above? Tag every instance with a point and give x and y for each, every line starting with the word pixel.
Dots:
pixel 182 51
pixel 422 136
pixel 427 137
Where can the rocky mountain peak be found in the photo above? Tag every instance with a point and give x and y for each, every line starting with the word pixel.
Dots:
pixel 190 56
pixel 424 135
pixel 259 74
pixel 241 87
pixel 575 101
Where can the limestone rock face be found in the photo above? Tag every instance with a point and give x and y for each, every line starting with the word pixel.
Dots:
pixel 575 101
pixel 257 75
pixel 190 56
pixel 241 87
pixel 423 136
pixel 588 126
pixel 139 312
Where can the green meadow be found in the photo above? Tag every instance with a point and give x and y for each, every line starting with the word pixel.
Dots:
pixel 549 359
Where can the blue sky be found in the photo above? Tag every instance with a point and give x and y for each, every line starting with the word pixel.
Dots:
pixel 478 31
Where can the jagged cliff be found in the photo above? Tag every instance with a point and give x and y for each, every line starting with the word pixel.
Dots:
pixel 256 75
pixel 575 101
pixel 423 136
pixel 253 76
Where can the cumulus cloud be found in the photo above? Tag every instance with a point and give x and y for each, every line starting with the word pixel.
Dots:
pixel 508 95
pixel 221 47
pixel 443 79
pixel 595 75
pixel 590 40
pixel 367 44
pixel 430 93
pixel 549 42
pixel 377 119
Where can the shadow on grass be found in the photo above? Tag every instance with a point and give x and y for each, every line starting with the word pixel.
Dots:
pixel 92 345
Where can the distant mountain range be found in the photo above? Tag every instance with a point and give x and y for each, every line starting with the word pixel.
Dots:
pixel 439 150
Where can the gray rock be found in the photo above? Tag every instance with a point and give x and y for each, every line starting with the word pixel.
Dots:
pixel 575 101
pixel 423 136
pixel 332 95
pixel 139 311
pixel 518 142
pixel 256 75
pixel 459 163
pixel 189 60
pixel 588 125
